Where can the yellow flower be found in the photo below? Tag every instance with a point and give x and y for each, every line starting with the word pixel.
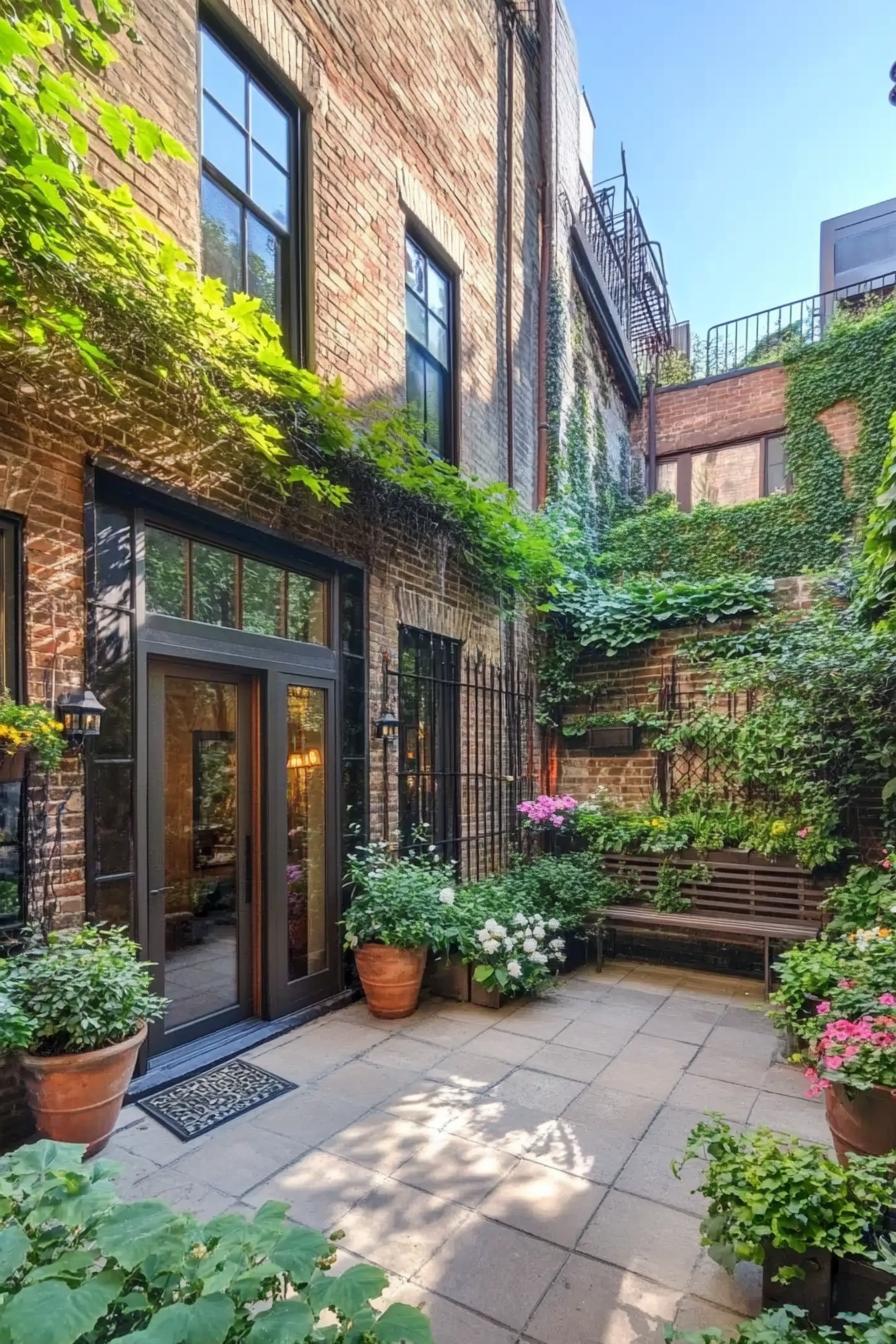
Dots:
pixel 658 821
pixel 779 827
pixel 58 726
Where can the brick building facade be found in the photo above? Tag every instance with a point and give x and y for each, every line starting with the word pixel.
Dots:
pixel 239 741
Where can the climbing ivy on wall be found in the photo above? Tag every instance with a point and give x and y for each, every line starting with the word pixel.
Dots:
pixel 807 529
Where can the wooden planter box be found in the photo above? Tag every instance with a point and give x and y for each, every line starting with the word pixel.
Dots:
pixel 448 977
pixel 831 1284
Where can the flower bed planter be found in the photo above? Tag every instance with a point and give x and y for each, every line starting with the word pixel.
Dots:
pixel 813 1292
pixel 861 1122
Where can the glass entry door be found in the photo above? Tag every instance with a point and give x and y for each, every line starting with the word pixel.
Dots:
pixel 199 847
pixel 303 905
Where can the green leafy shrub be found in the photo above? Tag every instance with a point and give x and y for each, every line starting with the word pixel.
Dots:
pixel 79 990
pixel 402 900
pixel 867 896
pixel 568 888
pixel 667 896
pixel 791 1325
pixel 766 1191
pixel 79 1265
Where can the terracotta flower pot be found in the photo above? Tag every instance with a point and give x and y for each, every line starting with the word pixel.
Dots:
pixel 391 977
pixel 77 1098
pixel 864 1122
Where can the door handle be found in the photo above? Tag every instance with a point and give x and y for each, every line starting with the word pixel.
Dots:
pixel 247 875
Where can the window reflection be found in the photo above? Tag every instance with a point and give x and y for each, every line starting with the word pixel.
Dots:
pixel 305 831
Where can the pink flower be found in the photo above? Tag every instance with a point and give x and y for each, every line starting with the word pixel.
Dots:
pixel 885 863
pixel 889 1000
pixel 845 984
pixel 823 1008
pixel 804 831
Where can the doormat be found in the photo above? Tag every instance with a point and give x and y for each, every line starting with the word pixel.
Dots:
pixel 209 1099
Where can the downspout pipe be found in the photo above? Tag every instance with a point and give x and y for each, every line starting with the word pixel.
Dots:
pixel 510 30
pixel 651 434
pixel 546 133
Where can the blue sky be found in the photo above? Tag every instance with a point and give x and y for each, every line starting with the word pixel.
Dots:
pixel 746 122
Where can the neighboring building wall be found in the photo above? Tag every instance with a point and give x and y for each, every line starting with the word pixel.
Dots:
pixel 589 418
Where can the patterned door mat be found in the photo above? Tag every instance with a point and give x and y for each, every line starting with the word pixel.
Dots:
pixel 209 1099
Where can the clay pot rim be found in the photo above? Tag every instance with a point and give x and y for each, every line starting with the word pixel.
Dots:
pixel 852 1093
pixel 392 947
pixel 43 1063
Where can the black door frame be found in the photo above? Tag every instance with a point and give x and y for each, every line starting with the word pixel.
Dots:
pixel 158 670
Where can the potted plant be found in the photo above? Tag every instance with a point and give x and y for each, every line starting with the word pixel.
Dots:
pixel 28 728
pixel 77 1008
pixel 854 1065
pixel 401 906
pixel 787 1206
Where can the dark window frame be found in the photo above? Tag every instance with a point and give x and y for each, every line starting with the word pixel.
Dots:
pixel 429 791
pixel 12 600
pixel 684 460
pixel 295 252
pixel 449 449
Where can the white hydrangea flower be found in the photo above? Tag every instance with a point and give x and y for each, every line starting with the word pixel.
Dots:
pixel 553 924
pixel 492 925
pixel 483 935
pixel 539 958
pixel 509 944
pixel 514 969
pixel 446 895
pixel 530 945
pixel 538 932
pixel 499 931
pixel 520 919
pixel 491 945
pixel 557 944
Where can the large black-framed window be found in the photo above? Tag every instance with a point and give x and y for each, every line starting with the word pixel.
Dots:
pixel 429 739
pixel 250 180
pixel 429 302
pixel 12 790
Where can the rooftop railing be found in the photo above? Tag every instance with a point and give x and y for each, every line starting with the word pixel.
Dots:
pixel 763 337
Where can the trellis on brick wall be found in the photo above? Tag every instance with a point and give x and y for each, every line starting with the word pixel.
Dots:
pixel 697 766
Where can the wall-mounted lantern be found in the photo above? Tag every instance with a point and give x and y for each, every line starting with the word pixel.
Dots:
pixel 387 725
pixel 80 713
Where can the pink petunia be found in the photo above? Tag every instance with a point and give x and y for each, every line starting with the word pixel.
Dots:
pixel 888 999
pixel 823 1008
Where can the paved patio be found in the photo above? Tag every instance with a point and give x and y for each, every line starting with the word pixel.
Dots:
pixel 510 1170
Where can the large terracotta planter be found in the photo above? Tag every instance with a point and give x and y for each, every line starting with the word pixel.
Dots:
pixel 861 1122
pixel 77 1098
pixel 390 977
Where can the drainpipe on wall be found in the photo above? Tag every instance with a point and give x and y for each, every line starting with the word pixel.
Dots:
pixel 546 129
pixel 510 30
pixel 651 434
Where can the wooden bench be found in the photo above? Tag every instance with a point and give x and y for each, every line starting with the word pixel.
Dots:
pixel 748 897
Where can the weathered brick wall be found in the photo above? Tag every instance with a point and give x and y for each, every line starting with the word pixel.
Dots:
pixel 632 681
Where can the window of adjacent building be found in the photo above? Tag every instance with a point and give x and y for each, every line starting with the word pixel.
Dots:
pixel 191 579
pixel 249 180
pixel 429 340
pixel 730 474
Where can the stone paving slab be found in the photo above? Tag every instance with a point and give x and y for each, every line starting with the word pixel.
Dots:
pixel 509 1169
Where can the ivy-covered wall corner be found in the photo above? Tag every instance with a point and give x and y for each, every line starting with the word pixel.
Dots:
pixel 809 528
pixel 592 476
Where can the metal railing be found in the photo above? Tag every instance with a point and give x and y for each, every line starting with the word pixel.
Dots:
pixel 763 337
pixel 631 265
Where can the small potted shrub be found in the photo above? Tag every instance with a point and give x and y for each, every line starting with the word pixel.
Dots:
pixel 854 1065
pixel 787 1206
pixel 401 907
pixel 77 1006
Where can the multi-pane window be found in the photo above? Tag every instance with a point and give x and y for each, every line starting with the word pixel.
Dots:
pixel 729 474
pixel 191 579
pixel 429 337
pixel 429 738
pixel 249 170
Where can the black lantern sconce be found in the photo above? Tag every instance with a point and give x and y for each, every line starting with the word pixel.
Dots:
pixel 387 725
pixel 80 713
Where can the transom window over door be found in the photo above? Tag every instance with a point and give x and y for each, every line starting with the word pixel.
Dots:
pixel 249 180
pixel 429 338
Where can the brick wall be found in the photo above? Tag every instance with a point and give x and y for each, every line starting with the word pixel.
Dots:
pixel 406 107
pixel 632 681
